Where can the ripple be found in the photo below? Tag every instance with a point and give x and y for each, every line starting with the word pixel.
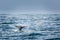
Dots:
pixel 44 26
pixel 54 39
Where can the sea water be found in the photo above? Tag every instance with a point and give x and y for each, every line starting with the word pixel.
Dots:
pixel 38 27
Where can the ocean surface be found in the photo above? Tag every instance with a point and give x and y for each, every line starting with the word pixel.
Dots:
pixel 38 26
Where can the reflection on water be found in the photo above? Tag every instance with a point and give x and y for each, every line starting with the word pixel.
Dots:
pixel 38 27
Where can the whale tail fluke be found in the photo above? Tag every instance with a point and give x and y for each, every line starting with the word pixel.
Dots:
pixel 20 27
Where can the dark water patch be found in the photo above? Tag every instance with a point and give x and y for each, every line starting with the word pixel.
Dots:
pixel 13 36
pixel 51 29
pixel 57 24
pixel 31 37
pixel 35 34
pixel 0 34
pixel 3 37
pixel 17 35
pixel 8 23
pixel 54 39
pixel 57 19
pixel 57 32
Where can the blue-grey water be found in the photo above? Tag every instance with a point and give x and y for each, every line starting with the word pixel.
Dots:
pixel 38 27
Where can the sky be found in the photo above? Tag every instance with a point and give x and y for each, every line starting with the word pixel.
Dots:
pixel 30 6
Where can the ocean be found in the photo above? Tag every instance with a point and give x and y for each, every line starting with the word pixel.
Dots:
pixel 38 27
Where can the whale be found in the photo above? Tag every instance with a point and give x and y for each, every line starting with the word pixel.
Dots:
pixel 20 27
